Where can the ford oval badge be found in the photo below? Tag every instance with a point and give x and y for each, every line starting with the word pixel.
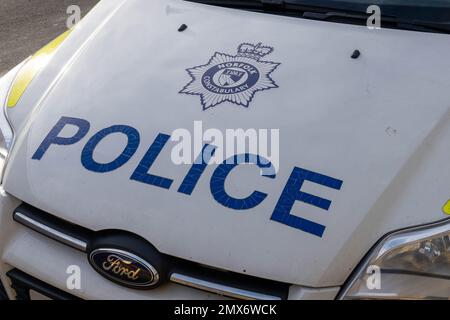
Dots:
pixel 124 268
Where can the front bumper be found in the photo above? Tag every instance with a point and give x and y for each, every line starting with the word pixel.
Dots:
pixel 47 260
pixel 46 263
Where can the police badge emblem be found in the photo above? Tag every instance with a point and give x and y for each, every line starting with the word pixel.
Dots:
pixel 235 79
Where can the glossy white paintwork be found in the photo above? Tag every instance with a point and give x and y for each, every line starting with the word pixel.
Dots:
pixel 380 123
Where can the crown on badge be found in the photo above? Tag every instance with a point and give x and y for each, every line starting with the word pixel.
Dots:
pixel 256 52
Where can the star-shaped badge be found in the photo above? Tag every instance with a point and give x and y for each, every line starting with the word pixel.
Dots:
pixel 235 79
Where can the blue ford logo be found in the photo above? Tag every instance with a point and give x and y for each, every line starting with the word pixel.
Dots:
pixel 124 268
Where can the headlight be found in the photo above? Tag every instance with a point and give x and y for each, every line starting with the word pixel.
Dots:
pixel 6 131
pixel 410 264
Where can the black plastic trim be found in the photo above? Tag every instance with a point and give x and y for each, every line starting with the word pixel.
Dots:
pixel 22 283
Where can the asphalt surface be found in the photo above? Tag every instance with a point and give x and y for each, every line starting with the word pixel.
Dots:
pixel 28 25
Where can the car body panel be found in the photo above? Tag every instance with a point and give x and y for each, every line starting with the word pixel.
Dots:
pixel 372 122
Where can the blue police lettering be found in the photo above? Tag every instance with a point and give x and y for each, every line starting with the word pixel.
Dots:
pixel 281 213
pixel 292 193
pixel 141 173
pixel 87 159
pixel 220 175
pixel 53 138
pixel 197 169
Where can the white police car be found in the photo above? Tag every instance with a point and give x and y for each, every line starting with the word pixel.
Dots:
pixel 94 207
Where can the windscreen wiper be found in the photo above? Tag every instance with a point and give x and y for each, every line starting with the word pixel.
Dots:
pixel 443 27
pixel 389 21
pixel 327 13
pixel 274 6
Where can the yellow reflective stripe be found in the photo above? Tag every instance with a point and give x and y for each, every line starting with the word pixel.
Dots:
pixel 447 207
pixel 38 61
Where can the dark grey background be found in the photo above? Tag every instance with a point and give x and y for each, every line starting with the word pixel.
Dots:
pixel 27 25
